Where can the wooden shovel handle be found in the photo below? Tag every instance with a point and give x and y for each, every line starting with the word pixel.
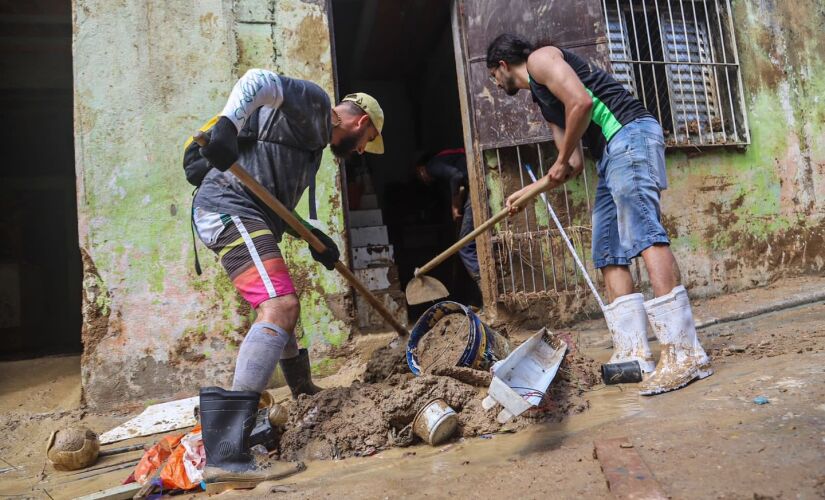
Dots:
pixel 282 212
pixel 455 247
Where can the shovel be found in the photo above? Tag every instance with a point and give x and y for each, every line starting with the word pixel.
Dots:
pixel 648 366
pixel 423 288
pixel 277 207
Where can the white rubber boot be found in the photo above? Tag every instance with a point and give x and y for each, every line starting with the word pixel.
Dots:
pixel 627 322
pixel 682 358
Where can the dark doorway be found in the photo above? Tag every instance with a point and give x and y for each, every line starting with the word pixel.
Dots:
pixel 401 52
pixel 40 266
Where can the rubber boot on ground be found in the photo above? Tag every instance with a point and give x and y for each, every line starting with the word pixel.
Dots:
pixel 298 376
pixel 627 322
pixel 227 419
pixel 682 358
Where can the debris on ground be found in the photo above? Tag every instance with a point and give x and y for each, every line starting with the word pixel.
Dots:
pixel 162 417
pixel 73 448
pixel 567 395
pixel 176 461
pixel 351 421
pixel 384 362
pixel 521 380
pixel 369 416
pixel 761 400
pixel 470 376
pixel 435 422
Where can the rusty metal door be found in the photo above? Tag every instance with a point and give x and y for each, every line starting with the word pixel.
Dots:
pixel 524 261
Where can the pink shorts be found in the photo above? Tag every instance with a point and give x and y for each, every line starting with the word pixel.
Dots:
pixel 249 253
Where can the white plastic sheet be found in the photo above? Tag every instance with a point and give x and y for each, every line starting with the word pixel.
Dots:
pixel 157 418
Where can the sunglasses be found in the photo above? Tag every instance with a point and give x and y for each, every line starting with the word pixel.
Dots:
pixel 492 76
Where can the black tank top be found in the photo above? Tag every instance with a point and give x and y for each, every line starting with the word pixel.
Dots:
pixel 613 106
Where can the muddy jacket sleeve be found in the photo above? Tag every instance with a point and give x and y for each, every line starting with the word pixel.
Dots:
pixel 256 88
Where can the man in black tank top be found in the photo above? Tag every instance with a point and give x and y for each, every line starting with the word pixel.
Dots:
pixel 585 105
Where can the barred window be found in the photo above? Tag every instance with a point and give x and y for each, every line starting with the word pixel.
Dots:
pixel 679 57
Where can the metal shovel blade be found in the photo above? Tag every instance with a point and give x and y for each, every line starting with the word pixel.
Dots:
pixel 425 289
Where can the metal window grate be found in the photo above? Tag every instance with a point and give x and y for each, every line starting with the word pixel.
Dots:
pixel 532 261
pixel 679 57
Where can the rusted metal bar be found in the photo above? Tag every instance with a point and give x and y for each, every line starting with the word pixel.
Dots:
pixel 725 59
pixel 715 72
pixel 539 233
pixel 507 228
pixel 549 241
pixel 650 51
pixel 700 43
pixel 692 78
pixel 678 69
pixel 636 42
pixel 738 76
pixel 561 250
pixel 662 38
pixel 526 216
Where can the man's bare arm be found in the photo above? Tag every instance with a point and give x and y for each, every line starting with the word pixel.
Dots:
pixel 576 160
pixel 548 67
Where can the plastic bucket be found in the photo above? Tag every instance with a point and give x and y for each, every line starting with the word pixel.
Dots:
pixel 484 347
pixel 435 422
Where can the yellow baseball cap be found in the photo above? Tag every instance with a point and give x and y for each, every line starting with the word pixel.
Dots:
pixel 371 107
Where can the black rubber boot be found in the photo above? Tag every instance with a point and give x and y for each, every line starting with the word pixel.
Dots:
pixel 298 376
pixel 227 419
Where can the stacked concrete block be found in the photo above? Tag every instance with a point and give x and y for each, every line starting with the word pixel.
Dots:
pixel 372 261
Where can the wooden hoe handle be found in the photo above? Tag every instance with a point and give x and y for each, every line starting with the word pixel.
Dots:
pixel 282 212
pixel 455 247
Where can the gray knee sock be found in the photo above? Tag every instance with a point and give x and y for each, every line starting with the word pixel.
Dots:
pixel 291 348
pixel 258 356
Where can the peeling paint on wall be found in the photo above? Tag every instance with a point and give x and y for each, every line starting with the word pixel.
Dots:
pixel 295 41
pixel 742 219
pixel 147 73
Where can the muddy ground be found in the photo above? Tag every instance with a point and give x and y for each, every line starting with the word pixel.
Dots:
pixel 367 417
pixel 708 440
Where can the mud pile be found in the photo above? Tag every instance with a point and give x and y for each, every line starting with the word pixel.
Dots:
pixel 385 362
pixel 364 418
pixel 367 417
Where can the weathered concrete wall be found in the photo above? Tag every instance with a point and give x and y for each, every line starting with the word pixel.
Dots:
pixel 740 219
pixel 147 73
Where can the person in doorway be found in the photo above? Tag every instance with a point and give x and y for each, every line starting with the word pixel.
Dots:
pixel 284 125
pixel 450 167
pixel 585 104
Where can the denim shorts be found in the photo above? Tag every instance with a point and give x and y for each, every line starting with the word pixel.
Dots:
pixel 627 214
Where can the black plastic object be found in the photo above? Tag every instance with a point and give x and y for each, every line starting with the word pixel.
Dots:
pixel 264 433
pixel 622 373
pixel 227 419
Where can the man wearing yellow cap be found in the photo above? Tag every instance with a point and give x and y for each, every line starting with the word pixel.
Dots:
pixel 277 127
